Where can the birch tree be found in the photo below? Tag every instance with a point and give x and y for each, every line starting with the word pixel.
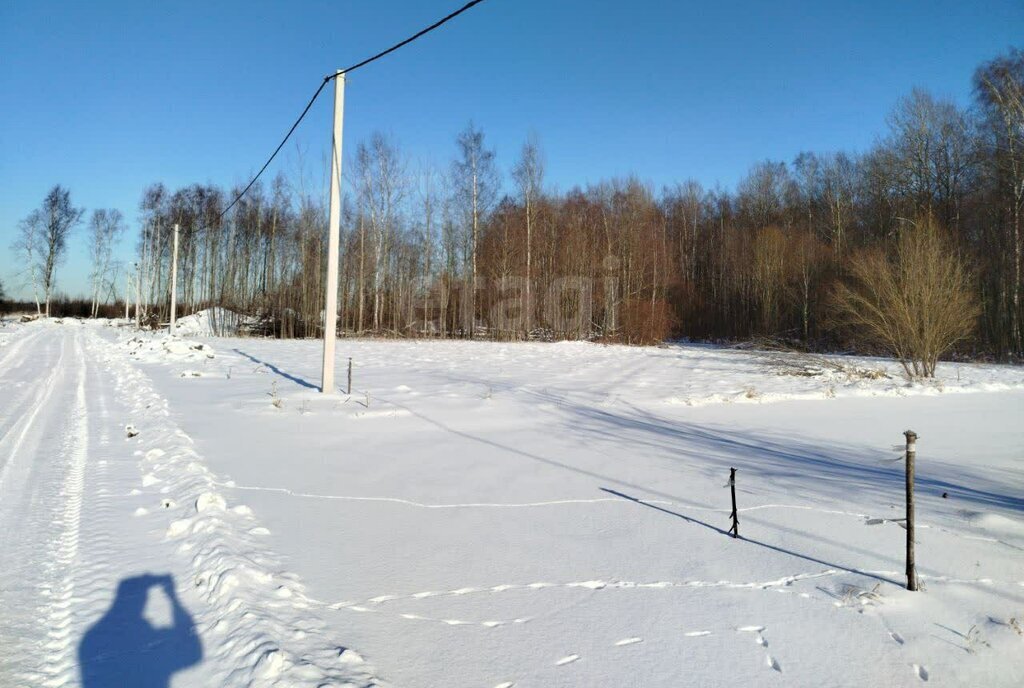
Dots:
pixel 59 217
pixel 105 227
pixel 27 246
pixel 529 177
pixel 382 187
pixel 475 179
pixel 999 88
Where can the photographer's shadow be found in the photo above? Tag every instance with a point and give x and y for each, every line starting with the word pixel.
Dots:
pixel 125 649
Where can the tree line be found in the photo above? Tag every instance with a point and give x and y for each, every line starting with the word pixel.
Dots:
pixel 474 250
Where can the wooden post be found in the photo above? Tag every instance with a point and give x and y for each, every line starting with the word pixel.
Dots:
pixel 735 530
pixel 911 451
pixel 349 375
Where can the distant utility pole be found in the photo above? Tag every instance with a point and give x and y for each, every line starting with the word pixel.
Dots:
pixel 127 291
pixel 174 282
pixel 333 241
pixel 138 295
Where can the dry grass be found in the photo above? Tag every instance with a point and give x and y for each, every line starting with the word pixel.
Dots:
pixel 802 364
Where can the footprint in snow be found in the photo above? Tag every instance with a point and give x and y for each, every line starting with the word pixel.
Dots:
pixel 896 636
pixel 567 660
pixel 773 663
pixel 921 672
pixel 628 641
pixel 696 634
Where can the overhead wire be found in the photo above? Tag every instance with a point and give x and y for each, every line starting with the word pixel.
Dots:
pixel 330 77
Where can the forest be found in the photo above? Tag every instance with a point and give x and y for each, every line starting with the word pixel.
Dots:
pixel 486 248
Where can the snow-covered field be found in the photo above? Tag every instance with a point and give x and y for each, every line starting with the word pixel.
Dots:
pixel 480 514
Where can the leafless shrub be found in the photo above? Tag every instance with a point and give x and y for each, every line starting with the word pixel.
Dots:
pixel 915 302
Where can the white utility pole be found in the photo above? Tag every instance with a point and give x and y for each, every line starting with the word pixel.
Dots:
pixel 333 241
pixel 127 291
pixel 138 295
pixel 174 282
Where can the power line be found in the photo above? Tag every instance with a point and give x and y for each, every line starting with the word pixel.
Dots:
pixel 406 42
pixel 327 79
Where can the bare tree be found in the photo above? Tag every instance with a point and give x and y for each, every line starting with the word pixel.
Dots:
pixel 105 228
pixel 999 87
pixel 476 187
pixel 59 218
pixel 916 303
pixel 933 156
pixel 529 177
pixel 382 187
pixel 429 197
pixel 27 246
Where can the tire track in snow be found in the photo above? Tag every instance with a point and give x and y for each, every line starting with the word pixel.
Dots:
pixel 60 666
pixel 8 363
pixel 21 427
pixel 43 516
pixel 21 390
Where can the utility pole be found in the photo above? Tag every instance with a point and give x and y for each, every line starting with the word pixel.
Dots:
pixel 333 241
pixel 174 282
pixel 138 295
pixel 127 291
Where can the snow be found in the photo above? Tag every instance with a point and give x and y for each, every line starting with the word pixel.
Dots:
pixel 484 514
pixel 209 323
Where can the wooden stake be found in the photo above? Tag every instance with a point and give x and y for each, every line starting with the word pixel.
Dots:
pixel 349 375
pixel 911 452
pixel 735 530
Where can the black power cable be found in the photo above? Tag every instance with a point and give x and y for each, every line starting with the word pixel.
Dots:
pixel 327 79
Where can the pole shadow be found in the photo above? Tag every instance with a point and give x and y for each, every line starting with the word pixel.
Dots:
pixel 742 538
pixel 124 649
pixel 277 371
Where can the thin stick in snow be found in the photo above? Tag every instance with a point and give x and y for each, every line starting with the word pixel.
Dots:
pixel 735 529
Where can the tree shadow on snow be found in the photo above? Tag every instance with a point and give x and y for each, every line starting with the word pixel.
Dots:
pixel 126 650
pixel 836 469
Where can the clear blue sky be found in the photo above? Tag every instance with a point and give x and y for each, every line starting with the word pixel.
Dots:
pixel 107 97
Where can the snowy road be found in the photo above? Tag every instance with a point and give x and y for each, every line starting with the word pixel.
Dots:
pixel 91 590
pixel 492 515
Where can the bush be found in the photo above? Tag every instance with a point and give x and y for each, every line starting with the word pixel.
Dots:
pixel 644 322
pixel 914 302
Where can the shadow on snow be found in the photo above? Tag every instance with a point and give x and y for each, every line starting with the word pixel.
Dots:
pixel 124 649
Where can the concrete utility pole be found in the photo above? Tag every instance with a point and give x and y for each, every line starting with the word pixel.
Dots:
pixel 333 241
pixel 127 291
pixel 138 295
pixel 174 282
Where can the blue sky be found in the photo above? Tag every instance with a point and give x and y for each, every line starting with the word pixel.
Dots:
pixel 108 97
